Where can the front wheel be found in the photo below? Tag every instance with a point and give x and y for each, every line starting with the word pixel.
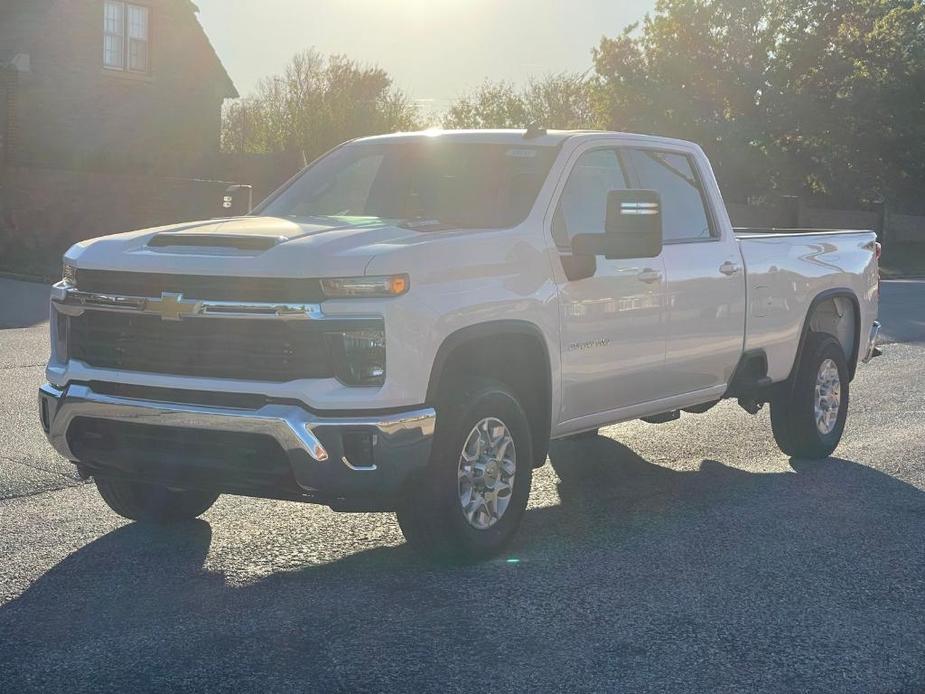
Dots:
pixel 808 417
pixel 153 503
pixel 475 490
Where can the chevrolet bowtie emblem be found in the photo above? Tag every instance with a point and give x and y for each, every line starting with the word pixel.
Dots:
pixel 173 306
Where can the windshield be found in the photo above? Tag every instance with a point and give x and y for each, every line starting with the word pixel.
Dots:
pixel 420 183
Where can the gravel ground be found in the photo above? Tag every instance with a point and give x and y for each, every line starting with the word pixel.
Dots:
pixel 689 556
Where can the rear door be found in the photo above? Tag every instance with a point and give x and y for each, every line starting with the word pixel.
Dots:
pixel 705 274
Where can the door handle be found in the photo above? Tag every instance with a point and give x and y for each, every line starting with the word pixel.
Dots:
pixel 729 268
pixel 649 276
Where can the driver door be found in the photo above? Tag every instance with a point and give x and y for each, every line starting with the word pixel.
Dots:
pixel 613 323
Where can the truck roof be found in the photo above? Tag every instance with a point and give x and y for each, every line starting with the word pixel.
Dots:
pixel 551 138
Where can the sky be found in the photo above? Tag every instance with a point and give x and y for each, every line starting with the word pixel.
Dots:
pixel 436 50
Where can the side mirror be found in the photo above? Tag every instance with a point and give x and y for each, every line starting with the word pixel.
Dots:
pixel 632 227
pixel 238 200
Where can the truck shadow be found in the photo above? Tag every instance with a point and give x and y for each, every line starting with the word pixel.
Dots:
pixel 641 575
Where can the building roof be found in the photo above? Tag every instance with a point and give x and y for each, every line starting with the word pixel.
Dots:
pixel 231 91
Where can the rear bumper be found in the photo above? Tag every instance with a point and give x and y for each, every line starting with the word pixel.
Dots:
pixel 872 349
pixel 339 461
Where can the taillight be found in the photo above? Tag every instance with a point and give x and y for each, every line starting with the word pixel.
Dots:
pixel 878 249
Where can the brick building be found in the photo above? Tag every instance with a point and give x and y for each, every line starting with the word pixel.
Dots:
pixel 109 85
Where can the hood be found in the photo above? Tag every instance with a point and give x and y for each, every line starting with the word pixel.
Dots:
pixel 248 246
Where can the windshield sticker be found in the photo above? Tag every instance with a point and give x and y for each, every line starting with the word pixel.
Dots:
pixel 521 153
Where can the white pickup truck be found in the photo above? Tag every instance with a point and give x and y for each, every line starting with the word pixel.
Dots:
pixel 407 323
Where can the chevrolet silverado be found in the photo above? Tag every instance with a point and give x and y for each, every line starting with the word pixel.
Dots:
pixel 407 323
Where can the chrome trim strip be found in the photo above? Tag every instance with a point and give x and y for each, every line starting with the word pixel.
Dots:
pixel 291 426
pixel 73 302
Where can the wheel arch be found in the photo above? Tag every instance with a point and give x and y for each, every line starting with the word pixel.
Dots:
pixel 487 349
pixel 819 302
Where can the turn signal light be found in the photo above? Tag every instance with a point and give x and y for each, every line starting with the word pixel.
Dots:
pixel 365 287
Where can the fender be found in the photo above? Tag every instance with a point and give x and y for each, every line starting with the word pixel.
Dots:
pixel 538 409
pixel 480 331
pixel 838 292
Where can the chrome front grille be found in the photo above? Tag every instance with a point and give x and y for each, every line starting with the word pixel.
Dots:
pixel 181 335
pixel 254 350
pixel 212 348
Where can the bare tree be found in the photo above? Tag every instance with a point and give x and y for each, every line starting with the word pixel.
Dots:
pixel 316 103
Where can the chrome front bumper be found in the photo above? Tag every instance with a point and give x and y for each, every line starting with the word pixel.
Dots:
pixel 313 444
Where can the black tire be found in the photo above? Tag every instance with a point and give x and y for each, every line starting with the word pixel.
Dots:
pixel 793 418
pixel 432 517
pixel 152 503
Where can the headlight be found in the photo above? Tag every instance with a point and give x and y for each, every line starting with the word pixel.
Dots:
pixel 69 274
pixel 359 356
pixel 365 287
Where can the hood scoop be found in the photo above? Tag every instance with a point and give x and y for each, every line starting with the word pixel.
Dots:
pixel 241 242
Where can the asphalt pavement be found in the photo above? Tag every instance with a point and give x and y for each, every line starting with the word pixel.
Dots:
pixel 689 556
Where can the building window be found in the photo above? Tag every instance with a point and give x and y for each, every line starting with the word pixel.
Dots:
pixel 125 36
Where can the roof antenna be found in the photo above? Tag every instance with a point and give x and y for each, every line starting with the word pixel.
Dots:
pixel 533 131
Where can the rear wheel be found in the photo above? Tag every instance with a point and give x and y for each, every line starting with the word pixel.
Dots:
pixel 153 503
pixel 808 417
pixel 474 492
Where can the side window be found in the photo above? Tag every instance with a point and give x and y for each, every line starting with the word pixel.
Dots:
pixel 684 214
pixel 583 204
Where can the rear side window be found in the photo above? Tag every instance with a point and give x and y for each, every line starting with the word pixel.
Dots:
pixel 684 211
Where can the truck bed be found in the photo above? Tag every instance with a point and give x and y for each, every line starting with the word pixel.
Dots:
pixel 787 269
